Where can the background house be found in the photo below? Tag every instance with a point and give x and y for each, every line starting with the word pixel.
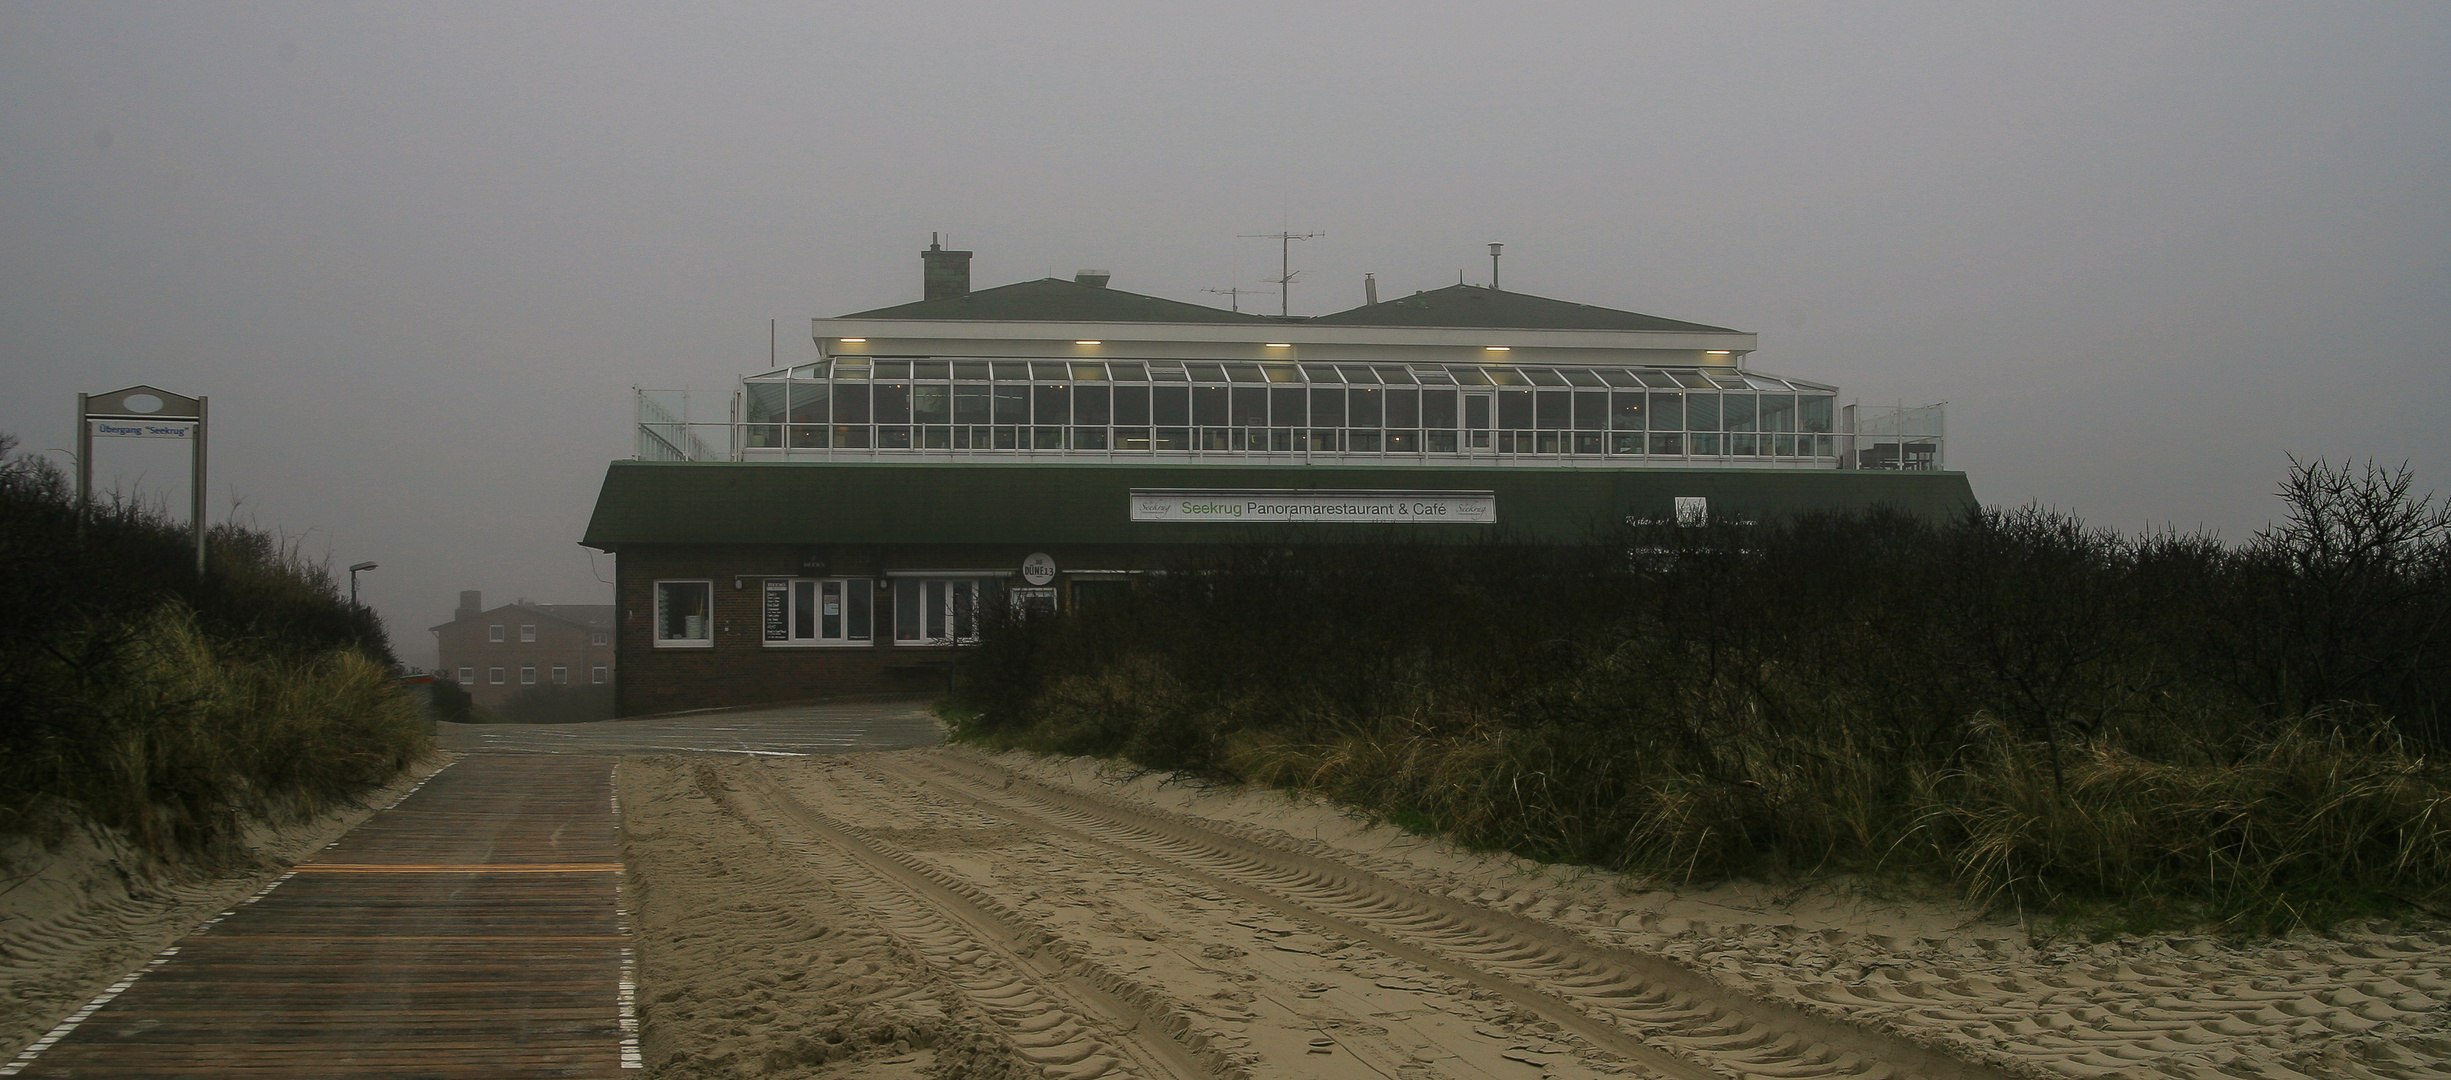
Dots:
pixel 495 654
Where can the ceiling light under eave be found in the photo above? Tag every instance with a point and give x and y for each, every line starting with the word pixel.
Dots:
pixel 1280 345
pixel 853 340
pixel 1089 343
pixel 1715 352
pixel 1497 348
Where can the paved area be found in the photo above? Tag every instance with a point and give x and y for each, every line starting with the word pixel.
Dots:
pixel 791 730
pixel 473 929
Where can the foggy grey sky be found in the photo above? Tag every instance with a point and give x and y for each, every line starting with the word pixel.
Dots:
pixel 418 254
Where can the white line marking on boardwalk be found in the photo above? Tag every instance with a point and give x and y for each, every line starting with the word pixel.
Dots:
pixel 631 1058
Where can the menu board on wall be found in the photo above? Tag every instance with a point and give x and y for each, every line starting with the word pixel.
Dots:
pixel 778 610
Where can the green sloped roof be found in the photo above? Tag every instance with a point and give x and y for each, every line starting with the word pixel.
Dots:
pixel 1476 307
pixel 1057 300
pixel 655 502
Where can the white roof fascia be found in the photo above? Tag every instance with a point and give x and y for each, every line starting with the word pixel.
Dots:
pixel 878 331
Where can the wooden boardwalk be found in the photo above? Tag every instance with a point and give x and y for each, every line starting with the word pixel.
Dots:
pixel 470 931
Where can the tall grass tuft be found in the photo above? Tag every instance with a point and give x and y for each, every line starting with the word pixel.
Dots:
pixel 168 707
pixel 2164 728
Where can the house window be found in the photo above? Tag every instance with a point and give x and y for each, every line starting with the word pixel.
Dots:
pixel 561 675
pixel 527 632
pixel 684 614
pixel 599 637
pixel 527 675
pixel 494 674
pixel 494 632
pixel 940 611
pixel 599 673
pixel 468 676
pixel 829 611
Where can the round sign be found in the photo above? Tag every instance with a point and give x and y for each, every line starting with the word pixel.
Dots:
pixel 143 403
pixel 1038 569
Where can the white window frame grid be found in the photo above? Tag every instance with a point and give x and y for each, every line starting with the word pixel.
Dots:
pixel 804 602
pixel 527 674
pixel 527 633
pixel 497 633
pixel 493 675
pixel 599 674
pixel 560 675
pixel 929 607
pixel 468 676
pixel 705 640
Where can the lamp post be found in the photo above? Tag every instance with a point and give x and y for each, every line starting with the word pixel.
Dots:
pixel 353 581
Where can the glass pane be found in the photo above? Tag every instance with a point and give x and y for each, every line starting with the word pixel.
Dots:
pixel 893 369
pixel 1165 371
pixel 1012 403
pixel 909 624
pixel 1619 377
pixel 1693 379
pixel 1132 405
pixel 1469 376
pixel 1626 410
pixel 1505 376
pixel 1327 407
pixel 938 603
pixel 1404 407
pixel 1012 371
pixel 830 603
pixel 970 405
pixel 1129 372
pixel 1476 411
pixel 850 404
pixel 1286 406
pixel 1543 376
pixel 1244 373
pixel 1050 370
pixel 1702 413
pixel 1250 407
pixel 1438 409
pixel 1590 410
pixel 681 611
pixel 1170 438
pixel 1208 406
pixel 1778 412
pixel 1083 369
pixel 851 367
pixel 1090 405
pixel 1169 405
pixel 1206 372
pixel 765 402
pixel 1357 373
pixel 1514 409
pixel 1320 373
pixel 856 608
pixel 1580 376
pixel 930 369
pixel 1281 373
pixel 1813 413
pixel 1667 414
pixel 1364 406
pixel 1389 373
pixel 970 370
pixel 1434 376
pixel 1089 438
pixel 1736 412
pixel 809 403
pixel 931 404
pixel 893 403
pixel 1555 409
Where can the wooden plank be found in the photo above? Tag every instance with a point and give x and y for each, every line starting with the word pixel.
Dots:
pixel 469 931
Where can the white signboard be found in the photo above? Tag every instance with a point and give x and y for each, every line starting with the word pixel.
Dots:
pixel 146 429
pixel 1038 569
pixel 1316 505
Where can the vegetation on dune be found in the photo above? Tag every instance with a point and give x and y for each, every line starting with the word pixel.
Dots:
pixel 169 707
pixel 2155 730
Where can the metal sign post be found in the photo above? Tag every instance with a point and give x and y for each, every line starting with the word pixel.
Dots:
pixel 143 412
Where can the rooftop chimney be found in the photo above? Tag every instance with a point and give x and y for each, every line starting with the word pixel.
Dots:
pixel 472 604
pixel 1095 279
pixel 1370 288
pixel 945 274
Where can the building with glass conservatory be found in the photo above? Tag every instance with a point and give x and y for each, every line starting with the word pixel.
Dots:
pixel 834 527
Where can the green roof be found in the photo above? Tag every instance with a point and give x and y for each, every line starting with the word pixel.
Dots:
pixel 1477 307
pixel 654 502
pixel 1057 300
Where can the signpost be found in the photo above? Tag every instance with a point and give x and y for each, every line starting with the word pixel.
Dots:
pixel 143 412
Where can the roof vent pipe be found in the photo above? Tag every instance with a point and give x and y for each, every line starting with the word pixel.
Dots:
pixel 1493 266
pixel 943 274
pixel 1095 279
pixel 1370 289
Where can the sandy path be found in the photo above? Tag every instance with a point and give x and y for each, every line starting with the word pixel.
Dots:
pixel 1027 917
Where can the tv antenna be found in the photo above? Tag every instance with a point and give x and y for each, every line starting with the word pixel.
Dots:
pixel 1285 271
pixel 1234 296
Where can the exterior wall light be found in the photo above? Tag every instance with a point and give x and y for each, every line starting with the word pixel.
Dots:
pixel 1497 348
pixel 1716 352
pixel 855 341
pixel 1280 345
pixel 1089 343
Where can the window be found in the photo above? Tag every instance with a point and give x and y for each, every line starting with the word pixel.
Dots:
pixel 599 673
pixel 599 637
pixel 810 611
pixel 494 675
pixel 527 632
pixel 468 676
pixel 527 675
pixel 561 675
pixel 494 632
pixel 940 611
pixel 684 614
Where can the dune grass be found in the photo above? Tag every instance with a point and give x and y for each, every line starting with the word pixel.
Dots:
pixel 2137 731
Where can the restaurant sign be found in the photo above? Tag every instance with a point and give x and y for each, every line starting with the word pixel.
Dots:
pixel 1272 505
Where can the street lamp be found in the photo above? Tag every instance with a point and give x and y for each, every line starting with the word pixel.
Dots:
pixel 353 580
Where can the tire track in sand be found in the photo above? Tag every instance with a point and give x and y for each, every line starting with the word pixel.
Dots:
pixel 1666 1017
pixel 1061 1012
